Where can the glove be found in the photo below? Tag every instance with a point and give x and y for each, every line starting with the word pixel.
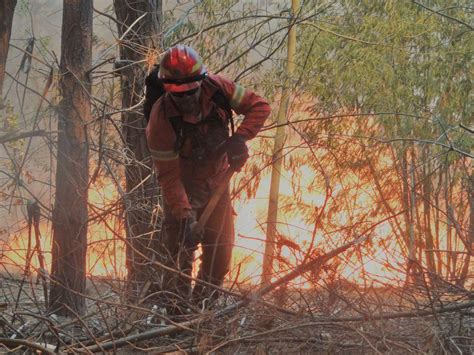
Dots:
pixel 237 151
pixel 190 236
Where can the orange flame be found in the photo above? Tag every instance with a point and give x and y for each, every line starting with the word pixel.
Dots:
pixel 106 252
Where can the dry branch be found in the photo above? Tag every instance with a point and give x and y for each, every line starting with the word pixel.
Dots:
pixel 253 297
pixel 412 314
pixel 9 137
pixel 24 343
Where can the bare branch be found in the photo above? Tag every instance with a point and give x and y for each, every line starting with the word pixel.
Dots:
pixel 9 137
pixel 444 15
pixel 25 343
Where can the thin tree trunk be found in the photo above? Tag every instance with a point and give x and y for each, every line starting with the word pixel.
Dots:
pixel 449 235
pixel 7 9
pixel 406 202
pixel 141 42
pixel 414 270
pixel 428 233
pixel 272 217
pixel 413 217
pixel 68 276
pixel 437 239
pixel 470 232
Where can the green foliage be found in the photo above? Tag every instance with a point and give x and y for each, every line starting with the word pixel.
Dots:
pixel 9 119
pixel 412 69
pixel 11 124
pixel 391 56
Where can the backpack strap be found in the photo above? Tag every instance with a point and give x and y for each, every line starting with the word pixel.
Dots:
pixel 154 90
pixel 178 125
pixel 223 102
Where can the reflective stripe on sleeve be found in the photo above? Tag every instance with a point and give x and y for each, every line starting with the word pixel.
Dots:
pixel 163 155
pixel 237 97
pixel 196 66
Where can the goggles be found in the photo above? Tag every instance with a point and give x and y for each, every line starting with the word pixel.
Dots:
pixel 185 80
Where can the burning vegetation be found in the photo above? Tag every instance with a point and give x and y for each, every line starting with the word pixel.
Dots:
pixel 369 148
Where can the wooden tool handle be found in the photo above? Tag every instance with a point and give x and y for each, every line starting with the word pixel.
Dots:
pixel 216 196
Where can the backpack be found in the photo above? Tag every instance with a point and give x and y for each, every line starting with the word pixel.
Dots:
pixel 155 89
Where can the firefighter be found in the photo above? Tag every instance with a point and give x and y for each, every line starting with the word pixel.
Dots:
pixel 192 145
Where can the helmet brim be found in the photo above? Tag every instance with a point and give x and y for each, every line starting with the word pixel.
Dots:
pixel 182 87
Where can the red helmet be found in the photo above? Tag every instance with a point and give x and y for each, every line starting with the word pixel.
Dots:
pixel 181 69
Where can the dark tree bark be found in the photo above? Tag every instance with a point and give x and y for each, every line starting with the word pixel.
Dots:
pixel 68 276
pixel 138 43
pixel 7 9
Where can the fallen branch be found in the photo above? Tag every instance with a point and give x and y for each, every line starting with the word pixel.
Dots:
pixel 411 314
pixel 20 342
pixel 299 270
pixel 153 333
pixel 147 335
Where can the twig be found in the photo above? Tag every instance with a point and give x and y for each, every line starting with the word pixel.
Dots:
pixel 470 130
pixel 444 15
pixel 257 295
pixel 148 335
pixel 348 115
pixel 84 326
pixel 131 26
pixel 31 55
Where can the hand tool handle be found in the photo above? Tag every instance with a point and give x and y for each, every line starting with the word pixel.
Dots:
pixel 216 196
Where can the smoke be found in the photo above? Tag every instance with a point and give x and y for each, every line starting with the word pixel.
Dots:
pixel 27 166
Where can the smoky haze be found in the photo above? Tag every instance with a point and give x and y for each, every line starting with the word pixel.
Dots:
pixel 41 20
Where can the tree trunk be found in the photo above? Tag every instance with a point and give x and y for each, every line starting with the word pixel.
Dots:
pixel 470 232
pixel 405 200
pixel 280 136
pixel 427 193
pixel 7 9
pixel 437 209
pixel 414 270
pixel 72 173
pixel 450 274
pixel 140 43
